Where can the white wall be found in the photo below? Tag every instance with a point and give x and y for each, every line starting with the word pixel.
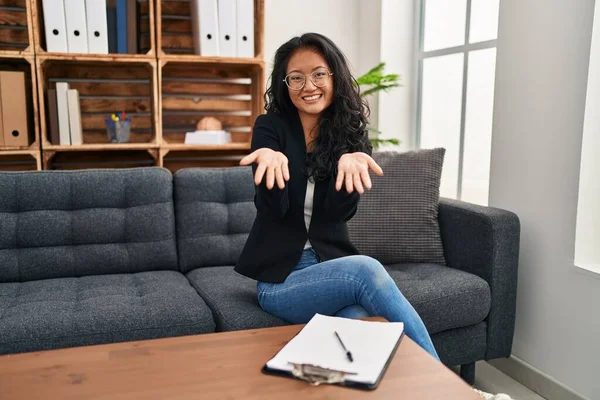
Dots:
pixel 369 46
pixel 336 19
pixel 587 248
pixel 541 80
pixel 398 41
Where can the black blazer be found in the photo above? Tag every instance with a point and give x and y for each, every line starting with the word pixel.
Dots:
pixel 278 235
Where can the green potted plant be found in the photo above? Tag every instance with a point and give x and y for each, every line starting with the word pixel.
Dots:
pixel 372 82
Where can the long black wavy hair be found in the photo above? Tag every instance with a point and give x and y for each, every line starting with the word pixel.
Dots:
pixel 342 127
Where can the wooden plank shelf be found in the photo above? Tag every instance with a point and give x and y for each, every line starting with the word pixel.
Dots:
pixel 197 147
pixel 120 58
pixel 20 160
pixel 102 147
pixel 16 30
pixel 131 158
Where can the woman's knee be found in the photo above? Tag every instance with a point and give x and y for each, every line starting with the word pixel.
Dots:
pixel 369 269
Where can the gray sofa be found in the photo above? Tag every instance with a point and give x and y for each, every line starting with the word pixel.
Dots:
pixel 99 256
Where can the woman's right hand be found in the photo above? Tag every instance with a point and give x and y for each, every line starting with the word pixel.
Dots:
pixel 273 163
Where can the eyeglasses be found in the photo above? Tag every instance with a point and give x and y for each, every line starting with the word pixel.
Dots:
pixel 296 80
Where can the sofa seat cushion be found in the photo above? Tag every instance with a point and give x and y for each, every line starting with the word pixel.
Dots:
pixel 67 312
pixel 444 297
pixel 232 299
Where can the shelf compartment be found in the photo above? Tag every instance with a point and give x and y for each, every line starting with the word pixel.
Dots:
pixel 177 159
pixel 16 32
pixel 24 160
pixel 190 91
pixel 25 64
pixel 146 37
pixel 174 28
pixel 107 158
pixel 104 88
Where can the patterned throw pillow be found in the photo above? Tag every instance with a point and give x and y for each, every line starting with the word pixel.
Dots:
pixel 397 220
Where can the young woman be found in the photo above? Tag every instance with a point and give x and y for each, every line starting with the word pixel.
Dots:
pixel 311 160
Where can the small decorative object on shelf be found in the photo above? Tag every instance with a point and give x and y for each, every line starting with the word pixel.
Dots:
pixel 209 124
pixel 209 130
pixel 118 128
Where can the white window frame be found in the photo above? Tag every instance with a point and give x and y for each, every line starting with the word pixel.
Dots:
pixel 421 55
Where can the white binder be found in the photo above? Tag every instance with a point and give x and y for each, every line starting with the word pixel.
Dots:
pixel 77 41
pixel 245 28
pixel 96 26
pixel 74 117
pixel 54 26
pixel 227 28
pixel 205 26
pixel 62 105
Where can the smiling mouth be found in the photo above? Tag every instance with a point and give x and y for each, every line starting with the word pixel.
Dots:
pixel 312 98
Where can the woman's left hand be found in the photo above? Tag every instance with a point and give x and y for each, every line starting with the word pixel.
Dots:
pixel 353 170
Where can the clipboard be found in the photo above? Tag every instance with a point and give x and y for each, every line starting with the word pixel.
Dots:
pixel 316 375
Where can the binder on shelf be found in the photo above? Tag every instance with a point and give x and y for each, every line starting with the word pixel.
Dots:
pixel 205 27
pixel 96 22
pixel 53 117
pixel 111 22
pixel 74 117
pixel 55 26
pixel 62 105
pixel 227 28
pixel 13 95
pixel 245 28
pixel 122 26
pixel 132 27
pixel 77 40
pixel 318 355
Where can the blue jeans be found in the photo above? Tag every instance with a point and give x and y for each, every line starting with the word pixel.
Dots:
pixel 349 287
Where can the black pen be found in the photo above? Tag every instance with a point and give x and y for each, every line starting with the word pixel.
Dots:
pixel 348 354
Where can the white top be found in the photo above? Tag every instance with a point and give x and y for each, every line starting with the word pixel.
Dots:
pixel 308 206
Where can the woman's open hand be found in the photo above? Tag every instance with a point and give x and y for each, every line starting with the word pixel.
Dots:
pixel 353 170
pixel 274 163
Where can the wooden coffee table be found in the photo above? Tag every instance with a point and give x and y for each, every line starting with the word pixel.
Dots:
pixel 211 366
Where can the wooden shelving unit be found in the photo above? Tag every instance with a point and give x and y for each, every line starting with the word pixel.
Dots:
pixel 191 87
pixel 164 87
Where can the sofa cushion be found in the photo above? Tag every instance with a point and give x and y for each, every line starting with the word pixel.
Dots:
pixel 445 298
pixel 68 312
pixel 56 224
pixel 215 211
pixel 232 299
pixel 397 220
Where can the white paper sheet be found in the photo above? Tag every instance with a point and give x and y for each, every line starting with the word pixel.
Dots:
pixel 370 343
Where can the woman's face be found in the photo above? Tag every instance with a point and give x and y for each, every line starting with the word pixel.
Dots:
pixel 311 99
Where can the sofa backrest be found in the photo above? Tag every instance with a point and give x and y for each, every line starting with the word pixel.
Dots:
pixel 89 222
pixel 214 210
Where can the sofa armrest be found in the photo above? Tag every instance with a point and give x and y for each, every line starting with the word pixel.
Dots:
pixel 485 241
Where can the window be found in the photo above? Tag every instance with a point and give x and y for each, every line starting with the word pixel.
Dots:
pixel 456 63
pixel 587 250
